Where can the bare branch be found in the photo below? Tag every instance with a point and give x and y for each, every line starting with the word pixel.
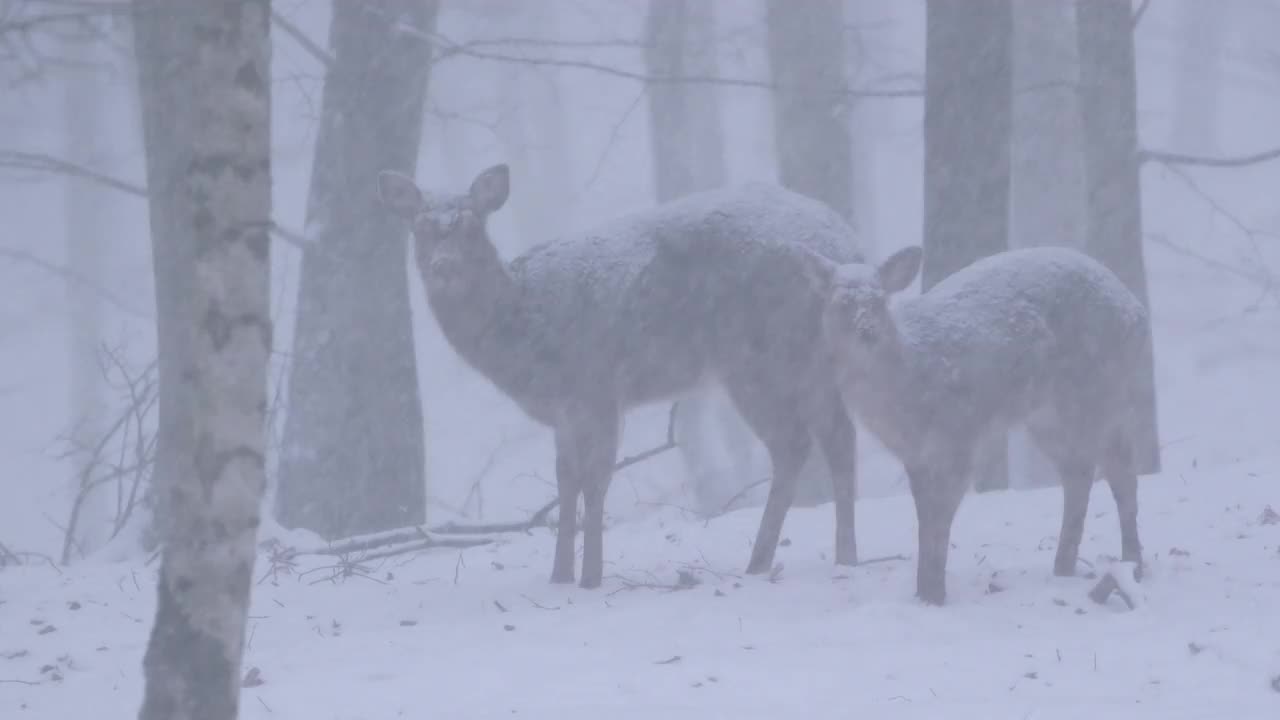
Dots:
pixel 452 48
pixel 1142 10
pixel 311 46
pixel 72 276
pixel 43 163
pixel 1170 158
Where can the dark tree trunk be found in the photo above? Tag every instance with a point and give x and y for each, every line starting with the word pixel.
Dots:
pixel 811 132
pixel 352 459
pixel 967 132
pixel 205 78
pixel 811 107
pixel 1047 187
pixel 686 136
pixel 168 122
pixel 1108 107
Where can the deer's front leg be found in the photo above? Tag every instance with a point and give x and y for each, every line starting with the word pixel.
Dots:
pixel 936 502
pixel 568 485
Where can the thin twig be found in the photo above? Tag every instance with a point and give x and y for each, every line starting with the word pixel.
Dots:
pixel 75 277
pixel 1142 10
pixel 1172 158
pixel 452 47
pixel 44 163
pixel 311 46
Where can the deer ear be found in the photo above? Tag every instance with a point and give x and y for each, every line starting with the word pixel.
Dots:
pixel 899 271
pixel 490 189
pixel 399 193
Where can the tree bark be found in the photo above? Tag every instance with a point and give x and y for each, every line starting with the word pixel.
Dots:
pixel 811 133
pixel 533 129
pixel 967 133
pixel 1047 205
pixel 84 109
pixel 204 69
pixel 1197 89
pixel 353 459
pixel 1108 109
pixel 686 139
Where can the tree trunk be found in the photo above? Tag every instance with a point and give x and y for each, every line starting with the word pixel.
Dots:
pixel 1047 205
pixel 1108 108
pixel 686 137
pixel 353 460
pixel 84 110
pixel 807 62
pixel 967 132
pixel 1197 89
pixel 533 129
pixel 161 34
pixel 210 61
pixel 811 132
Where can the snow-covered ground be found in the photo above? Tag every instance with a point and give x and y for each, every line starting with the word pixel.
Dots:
pixel 480 633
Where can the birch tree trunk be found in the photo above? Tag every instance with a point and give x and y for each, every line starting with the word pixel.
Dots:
pixel 1047 204
pixel 353 457
pixel 686 139
pixel 211 58
pixel 1108 108
pixel 967 132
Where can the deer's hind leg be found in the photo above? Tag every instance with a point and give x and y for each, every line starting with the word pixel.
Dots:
pixel 781 426
pixel 838 440
pixel 1118 469
pixel 1074 451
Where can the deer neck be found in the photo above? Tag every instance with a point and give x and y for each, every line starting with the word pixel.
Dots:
pixel 477 312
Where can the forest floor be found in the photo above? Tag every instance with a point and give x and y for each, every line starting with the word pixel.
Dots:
pixel 677 632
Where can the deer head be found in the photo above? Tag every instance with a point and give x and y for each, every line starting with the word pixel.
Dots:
pixel 449 233
pixel 857 321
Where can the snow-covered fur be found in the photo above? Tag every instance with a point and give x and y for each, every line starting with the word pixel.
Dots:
pixel 723 284
pixel 1045 336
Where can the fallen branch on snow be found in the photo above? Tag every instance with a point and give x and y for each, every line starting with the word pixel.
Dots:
pixel 1118 579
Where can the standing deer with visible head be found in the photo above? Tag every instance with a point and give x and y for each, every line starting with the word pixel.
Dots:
pixel 718 284
pixel 1045 336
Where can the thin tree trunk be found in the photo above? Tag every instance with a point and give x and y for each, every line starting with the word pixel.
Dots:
pixel 84 110
pixel 1047 205
pixel 212 59
pixel 686 137
pixel 353 449
pixel 1108 108
pixel 967 132
pixel 1197 89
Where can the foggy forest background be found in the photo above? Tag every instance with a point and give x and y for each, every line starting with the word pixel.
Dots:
pixel 968 126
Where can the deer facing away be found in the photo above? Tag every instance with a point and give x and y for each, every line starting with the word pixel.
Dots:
pixel 1045 336
pixel 719 284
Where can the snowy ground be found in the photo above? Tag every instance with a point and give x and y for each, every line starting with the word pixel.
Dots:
pixel 480 634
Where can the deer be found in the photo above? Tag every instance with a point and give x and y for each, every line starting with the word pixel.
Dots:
pixel 1044 336
pixel 718 285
